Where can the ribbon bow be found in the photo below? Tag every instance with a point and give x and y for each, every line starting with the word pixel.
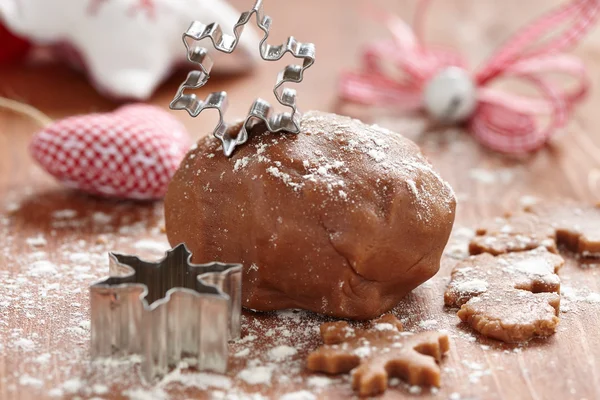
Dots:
pixel 438 81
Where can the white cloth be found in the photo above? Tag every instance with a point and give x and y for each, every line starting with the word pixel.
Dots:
pixel 128 50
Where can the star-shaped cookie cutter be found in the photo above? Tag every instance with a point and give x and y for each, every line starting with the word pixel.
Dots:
pixel 166 311
pixel 260 110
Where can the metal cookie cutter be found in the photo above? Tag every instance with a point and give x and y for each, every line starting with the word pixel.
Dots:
pixel 166 311
pixel 260 109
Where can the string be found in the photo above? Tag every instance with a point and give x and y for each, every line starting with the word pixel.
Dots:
pixel 26 110
pixel 504 121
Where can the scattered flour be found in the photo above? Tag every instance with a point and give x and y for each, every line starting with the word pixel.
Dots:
pixel 281 352
pixel 571 296
pixel 64 214
pixel 472 286
pixel 101 218
pixel 376 155
pixel 478 371
pixel 42 268
pixel 300 395
pixel 27 380
pixel 428 324
pixel 246 339
pixel 12 207
pixel 79 258
pixel 152 245
pixel 414 389
pixel 527 201
pixel 73 385
pixel 384 327
pixel 36 241
pixel 200 380
pixel 100 389
pixel 286 178
pixel 25 344
pixel 146 394
pixel 363 351
pixel 490 177
pixel 319 381
pixel 458 245
pixel 242 353
pixel 325 171
pixel 533 267
pixel 256 375
pixel 43 358
pixel 241 163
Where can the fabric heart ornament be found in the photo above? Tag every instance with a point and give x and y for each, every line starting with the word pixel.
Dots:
pixel 130 153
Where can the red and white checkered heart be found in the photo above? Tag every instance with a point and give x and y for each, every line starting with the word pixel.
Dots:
pixel 131 153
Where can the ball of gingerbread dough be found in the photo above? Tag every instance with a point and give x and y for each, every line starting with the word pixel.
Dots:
pixel 343 219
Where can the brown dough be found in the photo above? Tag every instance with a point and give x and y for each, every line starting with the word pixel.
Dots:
pixel 342 219
pixel 379 353
pixel 575 226
pixel 511 297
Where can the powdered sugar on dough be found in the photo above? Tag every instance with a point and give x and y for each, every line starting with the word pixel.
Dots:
pixel 537 267
pixel 473 285
pixel 329 171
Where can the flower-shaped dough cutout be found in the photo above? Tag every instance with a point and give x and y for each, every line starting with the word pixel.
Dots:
pixel 376 354
pixel 511 297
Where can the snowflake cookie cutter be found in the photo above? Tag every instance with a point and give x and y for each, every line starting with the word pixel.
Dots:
pixel 260 110
pixel 166 311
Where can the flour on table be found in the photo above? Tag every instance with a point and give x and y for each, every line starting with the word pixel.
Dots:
pixel 320 382
pixel 152 245
pixel 101 218
pixel 280 353
pixel 300 395
pixel 26 380
pixel 36 241
pixel 42 268
pixel 576 297
pixel 64 214
pixel 490 177
pixel 428 324
pixel 458 244
pixel 256 375
pixel 199 380
pixel 242 353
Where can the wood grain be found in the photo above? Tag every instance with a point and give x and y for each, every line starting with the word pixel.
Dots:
pixel 44 328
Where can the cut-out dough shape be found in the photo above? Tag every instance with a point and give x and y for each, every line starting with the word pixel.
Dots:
pixel 376 354
pixel 575 226
pixel 511 297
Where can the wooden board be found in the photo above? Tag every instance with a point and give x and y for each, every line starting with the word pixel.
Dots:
pixel 54 242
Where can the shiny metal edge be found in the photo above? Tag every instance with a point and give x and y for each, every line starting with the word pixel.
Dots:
pixel 184 323
pixel 260 110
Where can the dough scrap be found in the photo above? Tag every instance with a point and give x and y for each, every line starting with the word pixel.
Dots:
pixel 572 225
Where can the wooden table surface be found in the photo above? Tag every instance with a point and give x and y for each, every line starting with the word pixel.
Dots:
pixel 54 242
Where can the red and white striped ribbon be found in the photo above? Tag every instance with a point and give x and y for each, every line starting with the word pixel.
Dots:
pixel 506 122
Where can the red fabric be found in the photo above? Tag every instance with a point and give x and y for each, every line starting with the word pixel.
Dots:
pixel 131 153
pixel 12 48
